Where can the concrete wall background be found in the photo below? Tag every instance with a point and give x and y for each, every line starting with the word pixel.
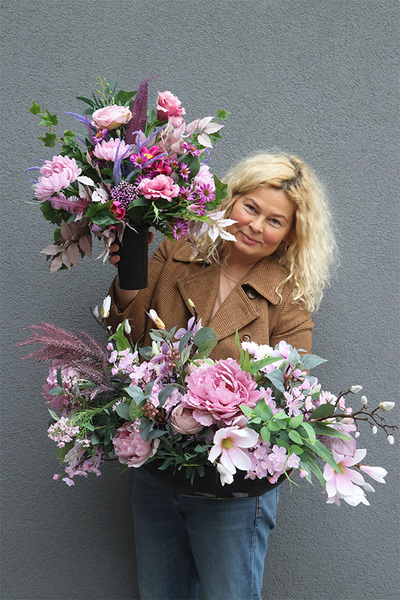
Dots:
pixel 313 77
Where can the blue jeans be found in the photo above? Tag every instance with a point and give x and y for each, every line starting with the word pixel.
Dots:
pixel 183 541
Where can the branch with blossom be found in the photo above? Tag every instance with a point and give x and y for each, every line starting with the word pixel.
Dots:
pixel 264 417
pixel 130 168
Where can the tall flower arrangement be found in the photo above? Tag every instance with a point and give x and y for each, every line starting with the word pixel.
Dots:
pixel 128 167
pixel 265 417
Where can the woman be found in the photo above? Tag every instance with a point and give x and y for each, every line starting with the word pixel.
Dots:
pixel 265 285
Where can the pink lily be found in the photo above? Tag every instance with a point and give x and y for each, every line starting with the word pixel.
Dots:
pixel 228 444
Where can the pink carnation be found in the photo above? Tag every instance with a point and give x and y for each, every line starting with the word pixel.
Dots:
pixel 168 106
pixel 107 150
pixel 111 117
pixel 131 448
pixel 57 174
pixel 216 391
pixel 160 186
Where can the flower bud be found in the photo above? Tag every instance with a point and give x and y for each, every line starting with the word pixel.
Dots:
pixel 357 434
pixel 368 488
pixel 156 319
pixel 190 302
pixel 355 389
pixel 390 439
pixel 364 400
pixel 154 348
pixel 96 312
pixel 385 406
pixel 374 429
pixel 127 327
pixel 105 309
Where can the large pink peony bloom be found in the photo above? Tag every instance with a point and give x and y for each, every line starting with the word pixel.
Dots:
pixel 160 186
pixel 57 174
pixel 168 106
pixel 111 117
pixel 131 448
pixel 216 391
pixel 107 150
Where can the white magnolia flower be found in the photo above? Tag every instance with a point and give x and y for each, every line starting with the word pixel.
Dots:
pixel 390 439
pixel 377 473
pixel 385 406
pixel 96 312
pixel 374 429
pixel 127 327
pixel 105 309
pixel 364 400
pixel 355 389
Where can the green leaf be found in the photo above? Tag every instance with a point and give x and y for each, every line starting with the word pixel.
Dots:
pixel 55 391
pixel 308 463
pixel 120 339
pixel 323 411
pixel 204 350
pixel 204 335
pixel 95 439
pixel 185 354
pixel 295 437
pixel 165 393
pixel 273 426
pixel 123 98
pixel 62 452
pixel 86 100
pixel 265 434
pixel 276 378
pixel 184 340
pixel 259 364
pixel 296 449
pixel 53 414
pixel 323 453
pixel 35 109
pixel 310 361
pixel 263 410
pixel 296 421
pixel 308 431
pixel 321 429
pixel 123 411
pixel 282 444
pixel 246 410
pixel 49 140
pixel 68 137
pixel 281 415
pixel 59 377
pixel 294 358
pixel 135 392
pixel 48 119
pixel 101 214
pixel 222 114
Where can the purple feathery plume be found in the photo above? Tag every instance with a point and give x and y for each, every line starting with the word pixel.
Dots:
pixel 74 205
pixel 138 109
pixel 81 352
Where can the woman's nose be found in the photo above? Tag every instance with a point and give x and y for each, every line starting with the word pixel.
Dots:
pixel 256 224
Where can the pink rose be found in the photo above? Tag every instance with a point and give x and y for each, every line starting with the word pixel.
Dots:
pixel 111 117
pixel 216 391
pixel 57 174
pixel 131 448
pixel 182 421
pixel 107 150
pixel 160 186
pixel 168 106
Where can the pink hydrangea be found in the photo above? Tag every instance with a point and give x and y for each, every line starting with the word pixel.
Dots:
pixel 107 150
pixel 168 106
pixel 160 186
pixel 57 174
pixel 111 117
pixel 216 391
pixel 131 448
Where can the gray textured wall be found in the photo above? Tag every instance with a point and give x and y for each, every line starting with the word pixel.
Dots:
pixel 313 77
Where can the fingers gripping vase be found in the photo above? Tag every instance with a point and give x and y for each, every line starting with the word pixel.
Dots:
pixel 132 265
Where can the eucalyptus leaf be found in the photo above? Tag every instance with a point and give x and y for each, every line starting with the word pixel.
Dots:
pixel 204 335
pixel 165 393
pixel 276 378
pixel 323 411
pixel 122 410
pixel 310 361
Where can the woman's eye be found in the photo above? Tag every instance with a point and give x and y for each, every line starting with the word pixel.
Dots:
pixel 275 222
pixel 250 207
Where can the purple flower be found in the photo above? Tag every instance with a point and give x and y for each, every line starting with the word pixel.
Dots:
pixel 179 230
pixel 206 192
pixel 124 193
pixel 186 193
pixel 191 149
pixel 216 391
pixel 184 171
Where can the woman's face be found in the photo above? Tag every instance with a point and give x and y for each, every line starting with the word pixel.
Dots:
pixel 264 219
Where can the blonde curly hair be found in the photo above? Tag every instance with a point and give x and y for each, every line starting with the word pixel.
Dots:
pixel 310 249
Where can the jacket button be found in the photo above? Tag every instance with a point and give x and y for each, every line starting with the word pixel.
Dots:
pixel 251 294
pixel 245 338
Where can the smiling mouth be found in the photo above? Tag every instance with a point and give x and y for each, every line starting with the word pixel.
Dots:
pixel 248 239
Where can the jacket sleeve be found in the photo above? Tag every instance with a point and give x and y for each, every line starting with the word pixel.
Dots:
pixel 136 310
pixel 291 323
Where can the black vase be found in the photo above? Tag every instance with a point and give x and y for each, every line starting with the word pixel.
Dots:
pixel 209 485
pixel 133 252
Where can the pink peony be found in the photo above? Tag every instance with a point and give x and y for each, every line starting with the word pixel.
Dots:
pixel 161 186
pixel 57 174
pixel 182 421
pixel 131 448
pixel 169 106
pixel 107 150
pixel 216 391
pixel 111 117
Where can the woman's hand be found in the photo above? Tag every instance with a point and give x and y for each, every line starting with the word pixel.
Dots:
pixel 114 250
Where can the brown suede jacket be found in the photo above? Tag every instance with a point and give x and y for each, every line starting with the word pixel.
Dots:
pixel 253 307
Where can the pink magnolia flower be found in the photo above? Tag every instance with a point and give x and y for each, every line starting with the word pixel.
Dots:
pixel 57 174
pixel 131 448
pixel 161 186
pixel 216 391
pixel 377 473
pixel 111 117
pixel 228 443
pixel 182 421
pixel 168 106
pixel 205 127
pixel 345 485
pixel 107 150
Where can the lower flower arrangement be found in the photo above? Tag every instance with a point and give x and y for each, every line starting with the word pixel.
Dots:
pixel 205 428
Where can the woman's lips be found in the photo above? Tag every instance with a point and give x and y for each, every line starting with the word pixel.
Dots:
pixel 248 240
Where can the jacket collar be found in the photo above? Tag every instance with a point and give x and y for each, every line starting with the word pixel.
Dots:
pixel 264 277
